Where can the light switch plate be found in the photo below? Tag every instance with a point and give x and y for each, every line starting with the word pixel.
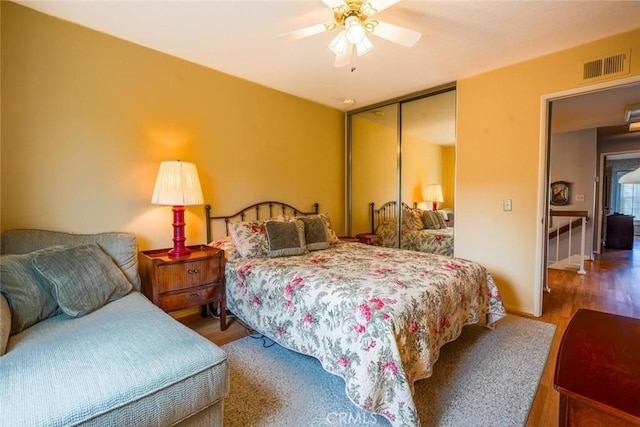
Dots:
pixel 579 197
pixel 506 205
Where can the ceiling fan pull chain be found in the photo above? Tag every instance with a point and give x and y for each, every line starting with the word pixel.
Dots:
pixel 353 58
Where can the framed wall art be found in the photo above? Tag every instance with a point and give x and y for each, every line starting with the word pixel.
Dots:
pixel 560 193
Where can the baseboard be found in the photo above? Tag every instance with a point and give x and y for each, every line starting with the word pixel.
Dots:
pixel 518 311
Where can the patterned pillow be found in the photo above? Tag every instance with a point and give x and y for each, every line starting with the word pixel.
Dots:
pixel 412 219
pixel 82 278
pixel 227 245
pixel 388 233
pixel 434 220
pixel 249 238
pixel 285 238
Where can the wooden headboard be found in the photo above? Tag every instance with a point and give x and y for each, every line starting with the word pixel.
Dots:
pixel 384 212
pixel 261 210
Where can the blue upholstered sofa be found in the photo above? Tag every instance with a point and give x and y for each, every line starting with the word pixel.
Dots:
pixel 80 345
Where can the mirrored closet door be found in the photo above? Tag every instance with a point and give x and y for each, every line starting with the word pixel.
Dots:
pixel 401 153
pixel 374 164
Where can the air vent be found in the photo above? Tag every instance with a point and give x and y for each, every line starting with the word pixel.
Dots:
pixel 606 66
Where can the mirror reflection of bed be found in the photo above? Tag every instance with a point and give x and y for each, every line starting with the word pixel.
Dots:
pixel 422 230
pixel 400 152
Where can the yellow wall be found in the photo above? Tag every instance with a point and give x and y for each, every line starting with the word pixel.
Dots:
pixel 448 177
pixel 87 119
pixel 498 141
pixel 374 161
pixel 421 166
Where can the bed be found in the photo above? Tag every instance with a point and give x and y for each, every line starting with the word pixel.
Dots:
pixel 414 235
pixel 375 316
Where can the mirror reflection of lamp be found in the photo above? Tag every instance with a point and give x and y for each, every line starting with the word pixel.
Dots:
pixel 433 194
pixel 178 185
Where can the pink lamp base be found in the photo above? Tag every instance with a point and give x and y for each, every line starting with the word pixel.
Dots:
pixel 179 249
pixel 435 206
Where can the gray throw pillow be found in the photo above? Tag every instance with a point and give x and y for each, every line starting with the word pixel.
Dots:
pixel 432 220
pixel 83 278
pixel 315 233
pixel 285 238
pixel 440 218
pixel 28 296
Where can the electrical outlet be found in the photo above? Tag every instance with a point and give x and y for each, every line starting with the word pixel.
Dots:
pixel 506 205
pixel 579 197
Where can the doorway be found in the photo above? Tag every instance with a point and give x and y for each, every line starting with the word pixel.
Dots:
pixel 577 110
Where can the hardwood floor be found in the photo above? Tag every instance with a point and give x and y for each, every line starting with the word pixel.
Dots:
pixel 210 328
pixel 612 284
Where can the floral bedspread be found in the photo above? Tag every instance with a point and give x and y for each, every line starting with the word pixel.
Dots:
pixel 375 316
pixel 425 240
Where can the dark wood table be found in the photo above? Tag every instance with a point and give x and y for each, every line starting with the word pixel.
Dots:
pixel 598 370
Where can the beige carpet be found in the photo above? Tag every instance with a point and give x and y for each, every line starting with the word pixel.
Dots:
pixel 484 378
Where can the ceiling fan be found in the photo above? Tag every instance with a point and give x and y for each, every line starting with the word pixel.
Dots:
pixel 355 19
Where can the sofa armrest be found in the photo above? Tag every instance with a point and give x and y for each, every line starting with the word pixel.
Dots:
pixel 5 324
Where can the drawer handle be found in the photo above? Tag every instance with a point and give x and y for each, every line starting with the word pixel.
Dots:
pixel 193 271
pixel 195 295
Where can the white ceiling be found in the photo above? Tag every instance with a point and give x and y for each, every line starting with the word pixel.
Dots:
pixel 459 39
pixel 605 108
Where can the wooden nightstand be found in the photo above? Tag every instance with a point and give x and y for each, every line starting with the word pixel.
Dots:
pixel 368 239
pixel 188 281
pixel 348 239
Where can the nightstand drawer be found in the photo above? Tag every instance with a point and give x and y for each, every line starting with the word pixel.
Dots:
pixel 191 297
pixel 173 277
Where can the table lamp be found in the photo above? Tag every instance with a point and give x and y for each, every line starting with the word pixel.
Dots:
pixel 433 193
pixel 177 185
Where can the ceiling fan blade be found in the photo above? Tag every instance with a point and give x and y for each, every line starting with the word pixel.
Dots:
pixel 333 3
pixel 344 60
pixel 396 34
pixel 372 7
pixel 309 31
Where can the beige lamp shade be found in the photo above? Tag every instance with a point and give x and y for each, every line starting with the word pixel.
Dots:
pixel 631 177
pixel 433 193
pixel 177 184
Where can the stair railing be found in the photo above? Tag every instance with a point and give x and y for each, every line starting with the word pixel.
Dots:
pixel 575 218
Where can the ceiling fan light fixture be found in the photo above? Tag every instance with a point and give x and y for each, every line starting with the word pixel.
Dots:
pixel 354 30
pixel 364 46
pixel 353 19
pixel 339 44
